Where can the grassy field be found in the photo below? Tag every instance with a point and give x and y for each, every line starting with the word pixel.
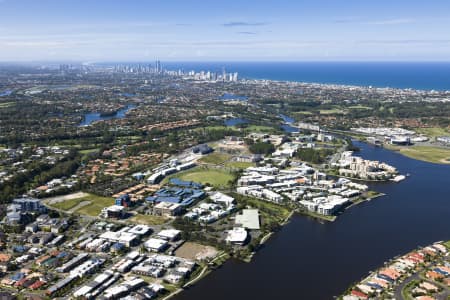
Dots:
pixel 215 158
pixel 331 111
pixel 433 132
pixel 214 177
pixel 68 204
pixel 92 209
pixel 97 203
pixel 148 219
pixel 447 244
pixel 359 106
pixel 425 153
pixel 302 113
pixel 87 151
pixel 7 104
pixel 261 129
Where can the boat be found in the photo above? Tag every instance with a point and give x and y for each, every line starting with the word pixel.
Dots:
pixel 398 178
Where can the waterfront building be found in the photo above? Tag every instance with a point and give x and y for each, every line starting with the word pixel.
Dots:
pixel 237 236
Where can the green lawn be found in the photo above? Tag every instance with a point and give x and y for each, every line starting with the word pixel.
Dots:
pixel 331 111
pixel 433 132
pixel 215 177
pixel 261 129
pixel 148 219
pixel 87 151
pixel 68 204
pixel 447 244
pixel 302 113
pixel 426 153
pixel 215 158
pixel 359 106
pixel 7 104
pixel 97 203
pixel 92 209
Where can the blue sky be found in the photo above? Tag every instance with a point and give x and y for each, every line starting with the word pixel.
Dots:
pixel 224 30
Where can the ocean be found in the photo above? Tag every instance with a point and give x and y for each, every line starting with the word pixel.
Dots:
pixel 414 75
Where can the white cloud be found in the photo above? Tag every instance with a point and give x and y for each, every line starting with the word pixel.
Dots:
pixel 361 21
pixel 390 22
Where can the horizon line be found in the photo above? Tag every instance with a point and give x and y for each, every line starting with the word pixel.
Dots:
pixel 224 61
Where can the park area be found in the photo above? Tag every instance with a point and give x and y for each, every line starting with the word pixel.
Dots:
pixel 148 219
pixel 82 203
pixel 218 178
pixel 215 158
pixel 426 153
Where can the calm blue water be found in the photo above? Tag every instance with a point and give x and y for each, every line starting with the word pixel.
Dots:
pixel 5 93
pixel 229 97
pixel 289 129
pixel 235 121
pixel 128 95
pixel 287 126
pixel 287 119
pixel 414 75
pixel 93 117
pixel 310 260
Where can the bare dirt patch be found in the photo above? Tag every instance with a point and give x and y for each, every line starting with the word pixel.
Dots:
pixel 196 251
pixel 63 198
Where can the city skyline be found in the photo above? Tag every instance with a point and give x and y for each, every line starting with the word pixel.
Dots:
pixel 50 30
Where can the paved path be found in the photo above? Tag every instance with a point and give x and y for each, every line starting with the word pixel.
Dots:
pixel 398 289
pixel 78 206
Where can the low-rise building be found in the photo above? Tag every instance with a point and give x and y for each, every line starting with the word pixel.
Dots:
pixel 167 209
pixel 123 237
pixel 237 236
pixel 169 234
pixel 249 219
pixel 156 245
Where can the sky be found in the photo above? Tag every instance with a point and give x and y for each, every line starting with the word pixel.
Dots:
pixel 224 30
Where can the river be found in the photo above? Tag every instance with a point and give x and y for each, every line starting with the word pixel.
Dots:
pixel 311 260
pixel 94 116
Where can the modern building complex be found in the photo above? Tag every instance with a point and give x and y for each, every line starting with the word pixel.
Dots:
pixel 354 166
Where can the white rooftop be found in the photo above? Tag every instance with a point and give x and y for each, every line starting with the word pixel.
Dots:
pixel 118 236
pixel 140 229
pixel 169 233
pixel 155 244
pixel 237 235
pixel 249 218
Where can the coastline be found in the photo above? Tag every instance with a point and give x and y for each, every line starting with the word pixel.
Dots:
pixel 275 71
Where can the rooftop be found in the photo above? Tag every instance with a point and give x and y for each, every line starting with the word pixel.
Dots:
pixel 249 218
